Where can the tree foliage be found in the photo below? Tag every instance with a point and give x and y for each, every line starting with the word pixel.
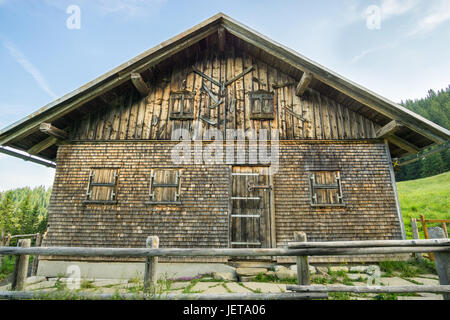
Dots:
pixel 435 107
pixel 24 210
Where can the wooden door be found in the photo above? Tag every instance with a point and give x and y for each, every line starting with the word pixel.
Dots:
pixel 250 225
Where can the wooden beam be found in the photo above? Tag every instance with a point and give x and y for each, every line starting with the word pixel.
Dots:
pixel 303 83
pixel 53 131
pixel 222 38
pixel 389 129
pixel 403 144
pixel 140 84
pixel 369 289
pixel 41 146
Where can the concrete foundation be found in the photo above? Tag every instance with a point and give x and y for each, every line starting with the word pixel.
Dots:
pixel 124 270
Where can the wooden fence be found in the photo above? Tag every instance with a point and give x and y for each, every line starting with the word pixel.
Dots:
pixel 415 230
pixel 6 240
pixel 300 249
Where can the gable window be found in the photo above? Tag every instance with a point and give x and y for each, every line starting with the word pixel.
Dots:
pixel 102 186
pixel 182 105
pixel 261 105
pixel 165 186
pixel 325 188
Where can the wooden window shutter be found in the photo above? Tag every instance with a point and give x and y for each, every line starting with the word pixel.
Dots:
pixel 165 186
pixel 325 188
pixel 102 185
pixel 261 105
pixel 181 105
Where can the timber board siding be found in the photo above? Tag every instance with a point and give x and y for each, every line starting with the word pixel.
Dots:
pixel 202 218
pixel 131 117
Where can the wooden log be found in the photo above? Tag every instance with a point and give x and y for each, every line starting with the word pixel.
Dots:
pixel 442 260
pixel 415 232
pixel 53 131
pixel 369 289
pixel 444 227
pixel 370 243
pixel 389 129
pixel 21 267
pixel 221 34
pixel 36 258
pixel 164 296
pixel 239 252
pixel 140 84
pixel 303 275
pixel 303 84
pixel 403 144
pixel 151 265
pixel 425 232
pixel 2 243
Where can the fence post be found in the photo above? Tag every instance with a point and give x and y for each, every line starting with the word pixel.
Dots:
pixel 151 264
pixel 36 258
pixel 302 262
pixel 2 243
pixel 21 267
pixel 442 260
pixel 415 233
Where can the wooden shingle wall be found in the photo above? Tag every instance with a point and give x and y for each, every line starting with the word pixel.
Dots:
pixel 202 218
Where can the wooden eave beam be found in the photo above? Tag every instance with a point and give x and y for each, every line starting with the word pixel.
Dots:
pixel 41 146
pixel 303 83
pixel 140 84
pixel 53 131
pixel 389 129
pixel 403 144
pixel 221 34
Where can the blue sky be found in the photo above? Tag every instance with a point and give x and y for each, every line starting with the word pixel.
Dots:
pixel 397 48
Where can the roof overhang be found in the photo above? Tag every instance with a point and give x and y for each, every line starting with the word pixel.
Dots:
pixel 20 130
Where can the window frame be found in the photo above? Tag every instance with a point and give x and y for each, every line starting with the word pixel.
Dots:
pixel 92 184
pixel 152 185
pixel 335 186
pixel 262 96
pixel 184 96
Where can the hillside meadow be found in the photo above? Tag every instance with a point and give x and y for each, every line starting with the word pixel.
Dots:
pixel 428 196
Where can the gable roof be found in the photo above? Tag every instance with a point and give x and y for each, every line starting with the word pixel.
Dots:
pixel 417 130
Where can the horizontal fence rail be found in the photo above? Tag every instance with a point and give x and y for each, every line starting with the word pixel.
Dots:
pixel 407 247
pixel 299 248
pixel 164 296
pixel 369 289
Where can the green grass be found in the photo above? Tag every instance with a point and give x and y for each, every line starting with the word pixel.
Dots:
pixel 7 266
pixel 407 269
pixel 429 196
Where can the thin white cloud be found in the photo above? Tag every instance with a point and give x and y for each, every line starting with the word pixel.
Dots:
pixel 364 53
pixel 390 8
pixel 437 15
pixel 126 8
pixel 29 67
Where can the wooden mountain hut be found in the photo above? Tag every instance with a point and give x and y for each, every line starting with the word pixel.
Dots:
pixel 116 181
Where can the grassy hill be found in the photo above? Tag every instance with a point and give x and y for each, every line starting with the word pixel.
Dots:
pixel 428 196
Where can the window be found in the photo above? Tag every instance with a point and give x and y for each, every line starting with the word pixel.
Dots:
pixel 182 105
pixel 326 189
pixel 261 105
pixel 165 186
pixel 102 186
